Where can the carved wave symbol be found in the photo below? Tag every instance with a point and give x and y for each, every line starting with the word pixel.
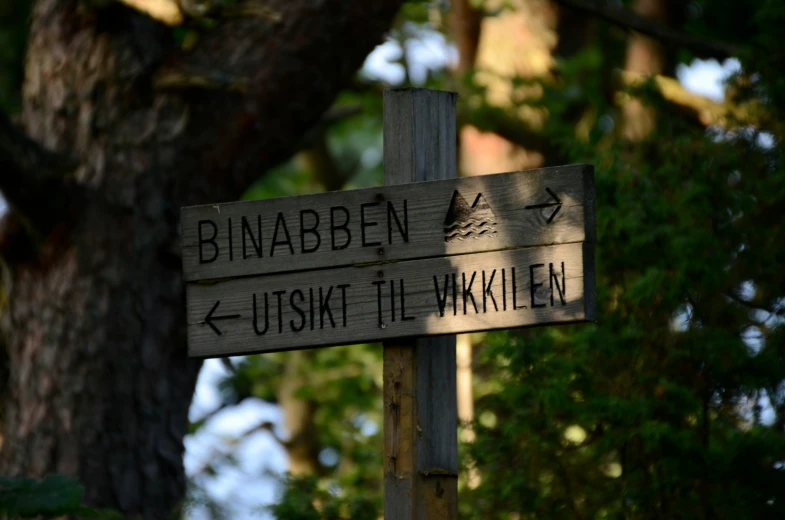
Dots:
pixel 469 222
pixel 474 229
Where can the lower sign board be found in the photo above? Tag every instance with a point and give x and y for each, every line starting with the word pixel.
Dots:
pixel 448 295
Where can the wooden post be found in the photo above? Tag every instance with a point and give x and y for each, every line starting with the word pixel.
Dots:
pixel 420 410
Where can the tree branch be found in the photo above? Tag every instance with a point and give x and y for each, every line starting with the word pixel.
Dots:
pixel 193 79
pixel 317 156
pixel 321 163
pixel 36 182
pixel 269 427
pixel 752 305
pixel 497 120
pixel 627 19
pixel 166 11
pixel 706 111
pixel 291 72
pixel 466 22
pixel 335 114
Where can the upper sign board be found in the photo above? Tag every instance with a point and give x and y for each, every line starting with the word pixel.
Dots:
pixel 404 222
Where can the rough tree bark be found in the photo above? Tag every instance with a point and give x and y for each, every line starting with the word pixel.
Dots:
pixel 98 386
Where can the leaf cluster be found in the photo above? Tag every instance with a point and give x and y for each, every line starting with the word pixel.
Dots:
pixel 672 404
pixel 52 496
pixel 304 499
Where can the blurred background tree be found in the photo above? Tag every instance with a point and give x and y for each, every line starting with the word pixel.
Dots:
pixel 673 404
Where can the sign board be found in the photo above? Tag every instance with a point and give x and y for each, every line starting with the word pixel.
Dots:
pixel 442 257
pixel 403 222
pixel 448 295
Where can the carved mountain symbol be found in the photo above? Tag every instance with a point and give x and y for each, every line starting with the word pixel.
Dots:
pixel 464 221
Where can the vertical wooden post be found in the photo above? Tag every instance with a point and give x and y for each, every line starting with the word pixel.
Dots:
pixel 420 410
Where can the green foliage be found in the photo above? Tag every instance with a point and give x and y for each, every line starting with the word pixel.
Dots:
pixel 287 179
pixel 673 404
pixel 303 499
pixel 343 386
pixel 13 34
pixel 356 143
pixel 53 496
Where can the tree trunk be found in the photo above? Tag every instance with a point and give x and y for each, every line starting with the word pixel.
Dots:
pixel 645 55
pixel 299 413
pixel 303 446
pixel 94 325
pixel 514 42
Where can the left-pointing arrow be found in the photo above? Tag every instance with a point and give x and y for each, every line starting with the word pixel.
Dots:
pixel 209 319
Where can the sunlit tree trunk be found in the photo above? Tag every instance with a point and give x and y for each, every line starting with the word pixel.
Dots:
pixel 465 26
pixel 299 412
pixel 302 444
pixel 518 41
pixel 644 56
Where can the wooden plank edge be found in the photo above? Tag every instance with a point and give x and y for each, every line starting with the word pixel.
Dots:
pixel 589 203
pixel 373 339
pixel 380 263
pixel 589 282
pixel 423 184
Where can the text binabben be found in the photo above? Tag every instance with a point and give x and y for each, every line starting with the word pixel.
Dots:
pixel 308 231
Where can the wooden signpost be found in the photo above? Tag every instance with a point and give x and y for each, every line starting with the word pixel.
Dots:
pixel 426 256
pixel 413 259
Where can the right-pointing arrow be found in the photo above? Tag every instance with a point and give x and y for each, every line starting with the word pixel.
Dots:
pixel 209 319
pixel 556 202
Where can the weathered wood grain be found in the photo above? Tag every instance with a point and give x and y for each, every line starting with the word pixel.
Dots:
pixel 420 144
pixel 437 407
pixel 417 313
pixel 418 232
